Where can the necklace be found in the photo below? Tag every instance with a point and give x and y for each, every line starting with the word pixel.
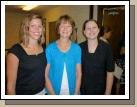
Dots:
pixel 33 50
pixel 64 46
pixel 92 48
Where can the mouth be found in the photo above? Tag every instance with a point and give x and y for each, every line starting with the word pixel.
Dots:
pixel 65 33
pixel 35 33
pixel 92 33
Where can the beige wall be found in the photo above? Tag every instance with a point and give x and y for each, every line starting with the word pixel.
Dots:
pixel 78 13
pixel 12 25
pixel 95 12
pixel 13 19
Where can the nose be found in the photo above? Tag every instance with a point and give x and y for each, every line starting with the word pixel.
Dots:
pixel 90 29
pixel 36 28
pixel 65 27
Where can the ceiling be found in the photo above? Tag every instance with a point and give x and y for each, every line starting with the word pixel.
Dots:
pixel 39 9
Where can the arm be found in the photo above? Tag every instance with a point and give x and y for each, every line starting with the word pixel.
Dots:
pixel 109 68
pixel 12 68
pixel 48 83
pixel 109 83
pixel 78 78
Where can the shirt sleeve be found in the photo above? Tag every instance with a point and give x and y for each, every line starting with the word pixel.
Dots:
pixel 48 55
pixel 16 50
pixel 78 55
pixel 110 61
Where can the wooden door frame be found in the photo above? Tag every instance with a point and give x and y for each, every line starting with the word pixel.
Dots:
pixel 100 12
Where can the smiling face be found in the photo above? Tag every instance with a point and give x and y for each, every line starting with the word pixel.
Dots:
pixel 65 29
pixel 91 30
pixel 35 29
pixel 64 26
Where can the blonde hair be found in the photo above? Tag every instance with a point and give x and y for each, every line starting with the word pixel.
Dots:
pixel 65 18
pixel 24 29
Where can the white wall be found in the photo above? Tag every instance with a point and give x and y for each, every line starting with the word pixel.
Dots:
pixel 79 13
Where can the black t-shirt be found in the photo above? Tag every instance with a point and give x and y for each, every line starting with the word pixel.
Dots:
pixel 94 68
pixel 31 71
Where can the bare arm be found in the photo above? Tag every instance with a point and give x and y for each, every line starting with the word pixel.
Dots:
pixel 109 83
pixel 48 83
pixel 78 78
pixel 12 68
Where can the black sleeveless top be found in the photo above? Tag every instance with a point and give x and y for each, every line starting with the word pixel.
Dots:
pixel 31 71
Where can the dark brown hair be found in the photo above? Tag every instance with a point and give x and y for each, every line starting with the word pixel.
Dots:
pixel 84 24
pixel 105 29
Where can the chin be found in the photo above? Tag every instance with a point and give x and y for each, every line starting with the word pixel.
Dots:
pixel 65 36
pixel 92 38
pixel 36 38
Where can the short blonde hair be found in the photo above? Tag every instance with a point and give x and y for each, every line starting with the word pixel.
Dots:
pixel 66 18
pixel 24 29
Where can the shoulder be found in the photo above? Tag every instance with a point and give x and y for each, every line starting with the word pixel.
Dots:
pixel 83 44
pixel 16 46
pixel 15 49
pixel 103 39
pixel 104 45
pixel 75 49
pixel 51 45
pixel 75 46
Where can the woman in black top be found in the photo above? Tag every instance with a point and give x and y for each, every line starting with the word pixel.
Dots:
pixel 97 62
pixel 26 61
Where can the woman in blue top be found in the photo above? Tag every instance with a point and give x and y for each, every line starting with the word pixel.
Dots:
pixel 63 71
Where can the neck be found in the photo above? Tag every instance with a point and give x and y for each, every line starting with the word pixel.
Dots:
pixel 63 44
pixel 33 43
pixel 92 42
pixel 64 40
pixel 92 45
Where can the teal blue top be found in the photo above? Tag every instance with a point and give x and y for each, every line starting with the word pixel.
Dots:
pixel 56 58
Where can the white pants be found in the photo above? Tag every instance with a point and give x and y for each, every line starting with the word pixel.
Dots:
pixel 41 92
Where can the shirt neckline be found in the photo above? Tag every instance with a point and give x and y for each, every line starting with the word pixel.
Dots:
pixel 86 43
pixel 30 54
pixel 61 50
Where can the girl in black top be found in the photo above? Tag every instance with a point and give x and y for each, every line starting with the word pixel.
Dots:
pixel 26 61
pixel 97 62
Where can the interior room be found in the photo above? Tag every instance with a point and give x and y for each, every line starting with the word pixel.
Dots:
pixel 111 15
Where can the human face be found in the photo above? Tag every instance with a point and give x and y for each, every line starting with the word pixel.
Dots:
pixel 35 29
pixel 91 30
pixel 65 29
pixel 108 34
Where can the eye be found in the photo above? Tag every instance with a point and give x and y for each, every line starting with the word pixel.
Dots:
pixel 94 27
pixel 88 28
pixel 68 26
pixel 40 26
pixel 32 25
